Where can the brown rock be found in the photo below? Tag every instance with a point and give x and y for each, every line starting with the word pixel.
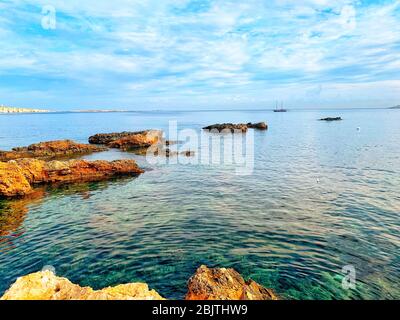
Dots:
pixel 169 153
pixel 12 180
pixel 225 284
pixel 258 125
pixel 45 285
pixel 108 138
pixel 188 153
pixel 143 139
pixel 49 149
pixel 241 127
pixel 18 177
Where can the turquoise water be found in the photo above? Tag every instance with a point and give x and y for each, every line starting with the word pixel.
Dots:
pixel 322 196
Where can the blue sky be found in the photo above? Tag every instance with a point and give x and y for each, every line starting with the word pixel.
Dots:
pixel 200 54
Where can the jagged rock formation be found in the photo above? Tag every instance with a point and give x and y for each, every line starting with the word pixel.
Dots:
pixel 50 149
pixel 105 138
pixel 142 139
pixel 225 284
pixel 18 177
pixel 126 139
pixel 45 285
pixel 239 127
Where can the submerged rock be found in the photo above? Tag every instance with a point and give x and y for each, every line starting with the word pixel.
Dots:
pixel 49 149
pixel 331 119
pixel 225 284
pixel 18 177
pixel 45 285
pixel 238 127
pixel 170 153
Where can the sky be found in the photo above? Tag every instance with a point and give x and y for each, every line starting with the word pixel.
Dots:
pixel 199 54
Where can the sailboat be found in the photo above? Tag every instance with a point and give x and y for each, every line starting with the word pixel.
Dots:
pixel 281 109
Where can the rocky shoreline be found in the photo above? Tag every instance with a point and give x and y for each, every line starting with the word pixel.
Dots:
pixel 205 284
pixel 19 177
pixel 23 169
pixel 50 150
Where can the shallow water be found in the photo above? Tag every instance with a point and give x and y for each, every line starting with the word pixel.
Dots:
pixel 322 196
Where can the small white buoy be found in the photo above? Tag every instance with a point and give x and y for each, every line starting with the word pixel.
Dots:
pixel 358 129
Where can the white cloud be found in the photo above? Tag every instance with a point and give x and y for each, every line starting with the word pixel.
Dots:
pixel 162 48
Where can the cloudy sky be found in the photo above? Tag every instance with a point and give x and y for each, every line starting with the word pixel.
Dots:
pixel 199 54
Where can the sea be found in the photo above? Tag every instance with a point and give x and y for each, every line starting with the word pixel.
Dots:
pixel 315 216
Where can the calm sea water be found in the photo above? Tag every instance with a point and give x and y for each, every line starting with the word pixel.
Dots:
pixel 322 196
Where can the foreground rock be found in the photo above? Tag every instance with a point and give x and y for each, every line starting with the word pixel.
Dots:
pixel 239 127
pixel 18 177
pixel 331 119
pixel 205 284
pixel 46 286
pixel 49 149
pixel 225 284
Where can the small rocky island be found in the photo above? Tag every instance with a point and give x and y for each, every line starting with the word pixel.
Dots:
pixel 331 119
pixel 4 109
pixel 205 284
pixel 239 127
pixel 139 142
pixel 128 140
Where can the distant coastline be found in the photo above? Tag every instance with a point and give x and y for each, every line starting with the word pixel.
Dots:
pixel 4 109
pixel 7 110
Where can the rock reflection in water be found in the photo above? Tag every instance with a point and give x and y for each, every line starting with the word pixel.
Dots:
pixel 14 211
